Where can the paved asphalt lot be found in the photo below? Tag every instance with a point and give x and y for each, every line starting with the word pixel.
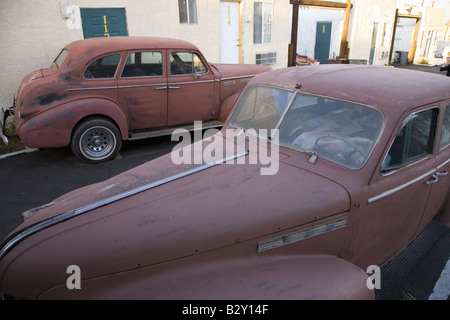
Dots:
pixel 31 179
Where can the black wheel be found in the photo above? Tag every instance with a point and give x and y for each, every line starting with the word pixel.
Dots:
pixel 96 140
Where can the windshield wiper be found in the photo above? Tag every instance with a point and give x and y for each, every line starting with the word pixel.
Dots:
pixel 312 155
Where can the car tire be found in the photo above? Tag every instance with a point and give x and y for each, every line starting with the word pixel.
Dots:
pixel 96 140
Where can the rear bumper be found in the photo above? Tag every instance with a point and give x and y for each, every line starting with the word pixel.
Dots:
pixel 4 115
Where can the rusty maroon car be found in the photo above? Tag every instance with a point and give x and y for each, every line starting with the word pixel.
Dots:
pixel 101 91
pixel 356 159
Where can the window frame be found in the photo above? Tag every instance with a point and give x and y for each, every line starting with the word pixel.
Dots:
pixel 432 139
pixel 102 57
pixel 240 116
pixel 61 58
pixel 142 76
pixel 259 22
pixel 193 53
pixel 187 12
pixel 445 114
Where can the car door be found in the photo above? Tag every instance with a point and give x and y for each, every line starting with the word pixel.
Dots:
pixel 142 87
pixel 440 183
pixel 99 78
pixel 399 190
pixel 191 94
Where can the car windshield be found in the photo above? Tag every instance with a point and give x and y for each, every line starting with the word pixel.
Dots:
pixel 340 131
pixel 61 57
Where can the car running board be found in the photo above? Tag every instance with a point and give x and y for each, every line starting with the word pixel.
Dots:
pixel 167 131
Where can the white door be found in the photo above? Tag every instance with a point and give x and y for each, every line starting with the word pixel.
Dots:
pixel 229 17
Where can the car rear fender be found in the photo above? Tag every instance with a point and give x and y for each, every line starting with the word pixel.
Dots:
pixel 262 277
pixel 105 108
pixel 53 128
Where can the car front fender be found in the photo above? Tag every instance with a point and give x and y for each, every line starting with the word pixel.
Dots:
pixel 52 128
pixel 227 106
pixel 444 214
pixel 264 277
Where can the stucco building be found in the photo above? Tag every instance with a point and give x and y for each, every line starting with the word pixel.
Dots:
pixel 228 31
pixel 34 31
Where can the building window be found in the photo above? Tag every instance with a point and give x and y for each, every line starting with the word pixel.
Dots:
pixel 383 40
pixel 262 25
pixel 187 11
pixel 266 58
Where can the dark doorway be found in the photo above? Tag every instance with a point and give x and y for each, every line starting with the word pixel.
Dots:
pixel 323 38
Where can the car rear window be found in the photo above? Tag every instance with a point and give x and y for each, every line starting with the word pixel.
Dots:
pixel 61 57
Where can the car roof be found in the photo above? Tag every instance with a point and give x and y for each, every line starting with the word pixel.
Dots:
pixel 388 89
pixel 101 45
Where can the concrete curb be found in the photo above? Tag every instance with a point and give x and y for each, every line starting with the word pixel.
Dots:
pixel 26 150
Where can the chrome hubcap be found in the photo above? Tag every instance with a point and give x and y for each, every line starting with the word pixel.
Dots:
pixel 97 143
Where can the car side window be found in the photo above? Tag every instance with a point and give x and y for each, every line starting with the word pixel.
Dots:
pixel 414 141
pixel 445 135
pixel 143 64
pixel 104 67
pixel 186 63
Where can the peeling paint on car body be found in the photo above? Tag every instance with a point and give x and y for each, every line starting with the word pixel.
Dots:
pixel 223 231
pixel 52 92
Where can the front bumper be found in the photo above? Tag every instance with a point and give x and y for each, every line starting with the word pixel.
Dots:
pixel 4 115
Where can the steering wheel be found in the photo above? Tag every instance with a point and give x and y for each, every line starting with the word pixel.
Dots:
pixel 268 108
pixel 343 156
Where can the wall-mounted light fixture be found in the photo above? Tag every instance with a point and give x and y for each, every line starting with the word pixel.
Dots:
pixel 66 10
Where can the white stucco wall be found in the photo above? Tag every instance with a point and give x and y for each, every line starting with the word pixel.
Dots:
pixel 280 32
pixel 362 18
pixel 33 31
pixel 307 19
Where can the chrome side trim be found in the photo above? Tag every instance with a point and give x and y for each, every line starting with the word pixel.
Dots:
pixel 12 241
pixel 300 235
pixel 190 82
pixel 443 164
pixel 159 84
pixel 117 87
pixel 229 83
pixel 143 85
pixel 94 88
pixel 401 187
pixel 239 77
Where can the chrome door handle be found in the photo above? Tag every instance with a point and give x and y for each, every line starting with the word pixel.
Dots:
pixel 433 180
pixel 441 174
pixel 174 88
pixel 161 88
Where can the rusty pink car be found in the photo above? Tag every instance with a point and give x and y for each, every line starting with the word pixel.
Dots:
pixel 362 153
pixel 101 91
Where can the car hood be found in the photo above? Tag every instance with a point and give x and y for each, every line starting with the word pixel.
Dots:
pixel 176 214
